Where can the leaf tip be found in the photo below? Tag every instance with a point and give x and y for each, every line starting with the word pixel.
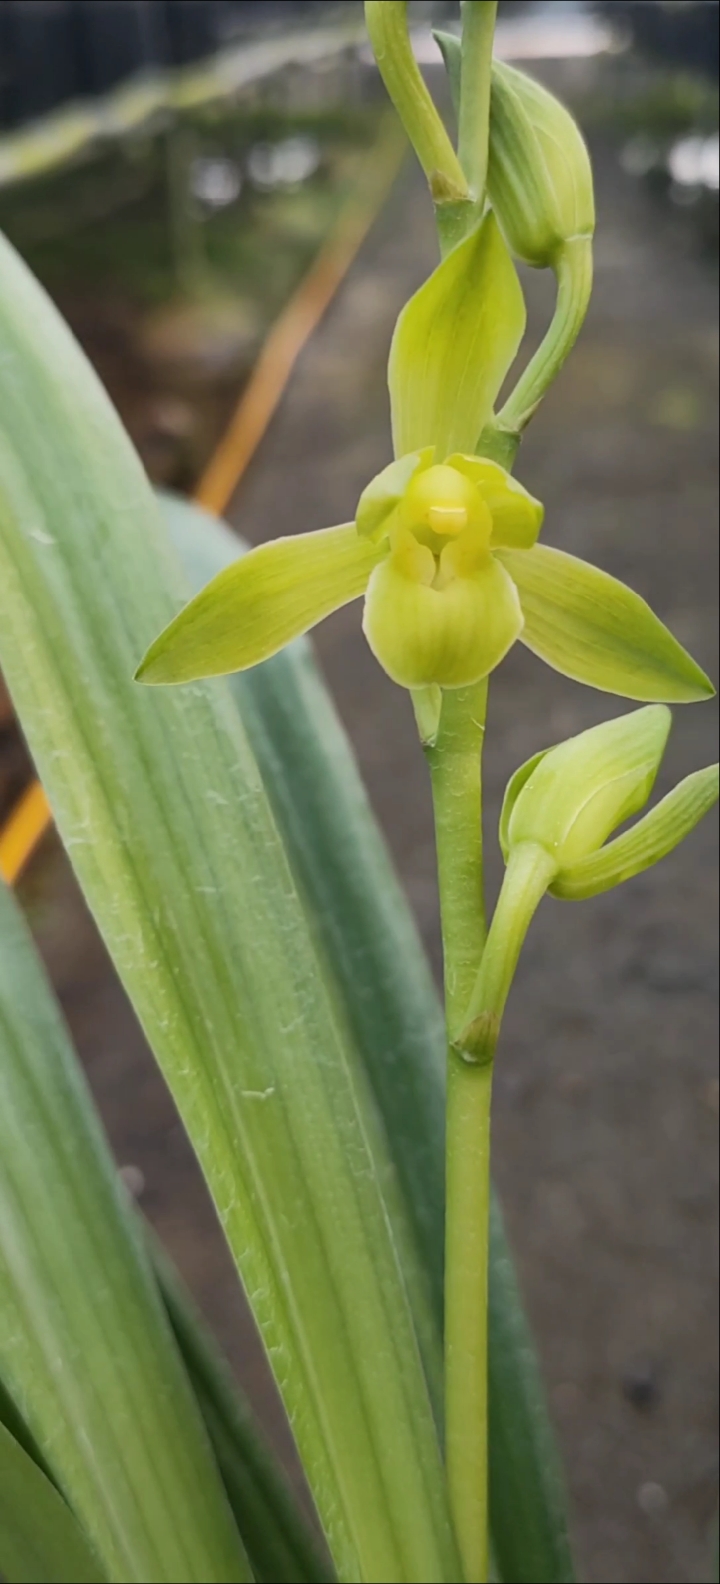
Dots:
pixel 696 685
pixel 698 689
pixel 154 670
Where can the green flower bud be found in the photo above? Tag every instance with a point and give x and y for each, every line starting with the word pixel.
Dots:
pixel 645 843
pixel 570 799
pixel 539 178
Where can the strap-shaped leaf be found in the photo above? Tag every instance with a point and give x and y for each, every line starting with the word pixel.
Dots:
pixel 652 838
pixel 453 345
pixel 276 1536
pixel 85 1349
pixel 594 629
pixel 370 943
pixel 450 46
pixel 158 799
pixel 13 1421
pixel 40 1540
pixel 528 1519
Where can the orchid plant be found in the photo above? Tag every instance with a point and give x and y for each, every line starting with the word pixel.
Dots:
pixel 444 551
pixel 225 848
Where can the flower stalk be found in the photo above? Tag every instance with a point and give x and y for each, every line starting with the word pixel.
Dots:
pixel 387 27
pixel 479 18
pixel 455 763
pixel 573 267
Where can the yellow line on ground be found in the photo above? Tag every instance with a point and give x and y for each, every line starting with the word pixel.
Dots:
pixel 31 817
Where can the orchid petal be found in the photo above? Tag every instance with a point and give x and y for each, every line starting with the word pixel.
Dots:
pixel 654 836
pixel 580 791
pixel 259 603
pixel 517 516
pixel 453 345
pixel 590 627
pixel 384 493
pixel 449 637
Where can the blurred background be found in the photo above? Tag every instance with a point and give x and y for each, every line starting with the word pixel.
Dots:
pixel 184 177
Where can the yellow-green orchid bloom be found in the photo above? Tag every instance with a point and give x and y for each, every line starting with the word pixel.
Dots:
pixel 443 547
pixel 440 608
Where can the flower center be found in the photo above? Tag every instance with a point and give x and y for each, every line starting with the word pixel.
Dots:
pixel 439 506
pixel 441 499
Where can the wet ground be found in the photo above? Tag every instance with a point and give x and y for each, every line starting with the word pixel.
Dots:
pixel 607 1098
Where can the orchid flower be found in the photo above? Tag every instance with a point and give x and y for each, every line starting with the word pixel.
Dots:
pixel 443 547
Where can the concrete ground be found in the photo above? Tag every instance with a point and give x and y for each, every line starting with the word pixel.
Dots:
pixel 606 1100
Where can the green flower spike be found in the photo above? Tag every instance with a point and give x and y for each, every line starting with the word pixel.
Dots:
pixel 443 547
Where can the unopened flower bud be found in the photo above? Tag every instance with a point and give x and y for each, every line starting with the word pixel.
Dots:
pixel 539 177
pixel 570 799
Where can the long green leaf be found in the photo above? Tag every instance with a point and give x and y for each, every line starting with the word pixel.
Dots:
pixel 528 1517
pixel 14 1422
pixel 85 1350
pixel 363 925
pixel 159 802
pixel 277 1539
pixel 40 1540
pixel 370 943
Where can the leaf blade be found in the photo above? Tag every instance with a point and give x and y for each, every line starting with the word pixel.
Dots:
pixel 234 1005
pixel 276 1536
pixel 91 1364
pixel 40 1540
